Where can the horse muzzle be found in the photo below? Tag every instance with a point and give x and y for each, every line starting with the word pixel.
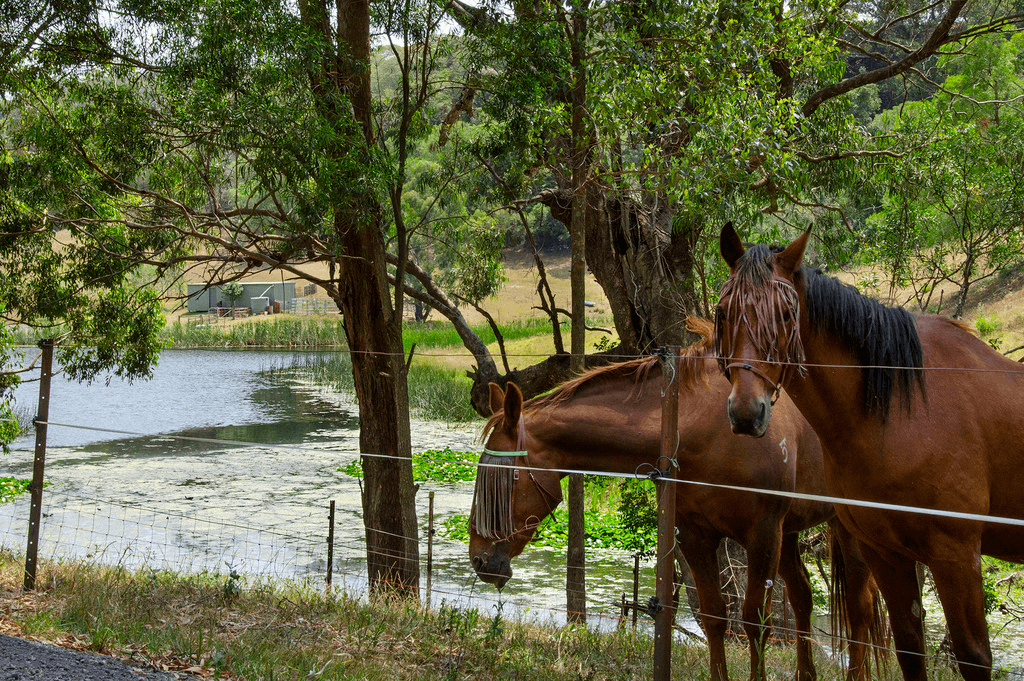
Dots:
pixel 496 570
pixel 751 416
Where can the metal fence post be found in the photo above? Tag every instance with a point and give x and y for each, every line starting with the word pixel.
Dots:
pixel 330 546
pixel 38 464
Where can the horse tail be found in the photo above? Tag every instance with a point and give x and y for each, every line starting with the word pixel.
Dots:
pixel 855 603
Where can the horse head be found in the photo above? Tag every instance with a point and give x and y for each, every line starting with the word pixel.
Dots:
pixel 757 326
pixel 512 495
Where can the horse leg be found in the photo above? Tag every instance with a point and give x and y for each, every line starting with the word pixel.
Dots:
pixel 960 591
pixel 897 579
pixel 701 553
pixel 762 565
pixel 854 584
pixel 798 584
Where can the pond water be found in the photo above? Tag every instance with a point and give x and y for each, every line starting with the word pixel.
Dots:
pixel 149 474
pixel 218 464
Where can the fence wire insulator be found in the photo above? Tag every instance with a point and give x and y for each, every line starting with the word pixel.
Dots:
pixel 654 606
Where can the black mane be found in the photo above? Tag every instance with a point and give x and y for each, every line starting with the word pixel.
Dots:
pixel 884 338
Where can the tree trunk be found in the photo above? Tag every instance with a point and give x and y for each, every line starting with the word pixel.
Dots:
pixel 576 555
pixel 645 267
pixel 374 336
pixel 373 323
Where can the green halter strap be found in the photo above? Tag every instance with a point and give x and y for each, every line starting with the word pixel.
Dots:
pixel 492 452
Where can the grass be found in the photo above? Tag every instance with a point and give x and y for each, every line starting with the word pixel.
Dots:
pixel 435 392
pixel 279 331
pixel 224 627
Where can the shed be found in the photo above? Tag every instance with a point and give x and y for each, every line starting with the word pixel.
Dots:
pixel 204 297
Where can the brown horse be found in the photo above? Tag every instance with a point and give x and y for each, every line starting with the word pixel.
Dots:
pixel 858 371
pixel 609 420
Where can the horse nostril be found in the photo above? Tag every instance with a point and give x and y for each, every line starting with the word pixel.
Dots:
pixel 478 563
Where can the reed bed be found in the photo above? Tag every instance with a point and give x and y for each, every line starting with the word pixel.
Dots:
pixel 280 332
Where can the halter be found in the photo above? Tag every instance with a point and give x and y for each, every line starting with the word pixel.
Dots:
pixel 793 344
pixel 495 492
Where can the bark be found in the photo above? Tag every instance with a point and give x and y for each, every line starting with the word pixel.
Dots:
pixel 645 267
pixel 372 319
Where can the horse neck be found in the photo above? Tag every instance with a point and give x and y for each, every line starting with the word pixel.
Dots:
pixel 822 393
pixel 606 434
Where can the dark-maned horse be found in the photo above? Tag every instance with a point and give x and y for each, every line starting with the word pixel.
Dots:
pixel 609 420
pixel 910 410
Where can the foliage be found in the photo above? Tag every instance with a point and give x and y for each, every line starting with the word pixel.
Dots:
pixel 11 488
pixel 434 465
pixel 951 211
pixel 232 290
pixel 619 515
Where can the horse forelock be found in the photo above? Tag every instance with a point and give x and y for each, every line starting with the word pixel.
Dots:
pixel 885 339
pixel 775 304
pixel 491 512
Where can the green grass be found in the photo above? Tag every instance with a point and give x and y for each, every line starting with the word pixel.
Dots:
pixel 442 334
pixel 292 331
pixel 228 626
pixel 435 392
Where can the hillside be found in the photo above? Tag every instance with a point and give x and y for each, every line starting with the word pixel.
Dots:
pixel 995 308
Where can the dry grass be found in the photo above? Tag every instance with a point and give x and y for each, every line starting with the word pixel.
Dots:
pixel 217 626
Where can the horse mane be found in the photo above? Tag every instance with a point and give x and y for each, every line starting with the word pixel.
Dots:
pixel 885 338
pixel 638 369
pixel 691 370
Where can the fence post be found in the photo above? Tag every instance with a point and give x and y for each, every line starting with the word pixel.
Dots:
pixel 666 492
pixel 38 464
pixel 430 543
pixel 636 587
pixel 330 546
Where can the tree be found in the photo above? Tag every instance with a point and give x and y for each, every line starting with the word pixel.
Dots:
pixel 704 111
pixel 232 291
pixel 229 138
pixel 954 206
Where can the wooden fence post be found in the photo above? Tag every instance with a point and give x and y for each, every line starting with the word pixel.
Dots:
pixel 666 491
pixel 38 464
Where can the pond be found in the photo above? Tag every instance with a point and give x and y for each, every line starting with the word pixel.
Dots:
pixel 219 464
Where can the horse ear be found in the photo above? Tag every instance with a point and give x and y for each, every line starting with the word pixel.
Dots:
pixel 497 397
pixel 730 245
pixel 790 259
pixel 513 406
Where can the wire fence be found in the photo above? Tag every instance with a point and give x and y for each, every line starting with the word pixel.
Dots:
pixel 288 541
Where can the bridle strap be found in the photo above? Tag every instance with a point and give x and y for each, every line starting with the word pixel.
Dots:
pixel 775 387
pixel 494 452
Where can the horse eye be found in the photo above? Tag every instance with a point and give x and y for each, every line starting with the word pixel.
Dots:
pixel 786 316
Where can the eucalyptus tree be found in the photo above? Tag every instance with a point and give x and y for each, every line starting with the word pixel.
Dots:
pixel 953 207
pixel 702 111
pixel 227 138
pixel 101 312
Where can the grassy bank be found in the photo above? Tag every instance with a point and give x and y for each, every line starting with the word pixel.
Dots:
pixel 279 331
pixel 225 627
pixel 312 331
